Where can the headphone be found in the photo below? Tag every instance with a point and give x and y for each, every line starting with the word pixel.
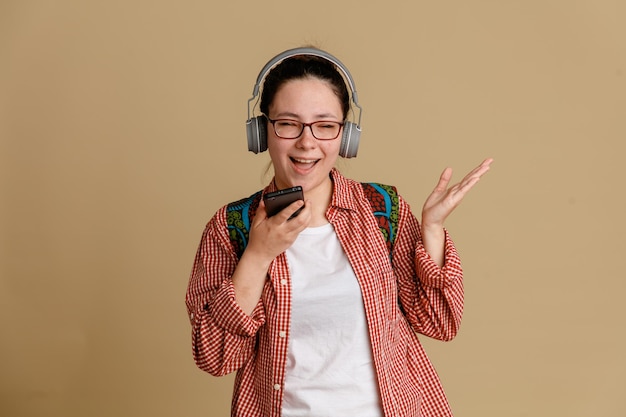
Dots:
pixel 256 127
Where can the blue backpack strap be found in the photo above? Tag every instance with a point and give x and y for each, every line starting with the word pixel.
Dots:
pixel 384 202
pixel 238 218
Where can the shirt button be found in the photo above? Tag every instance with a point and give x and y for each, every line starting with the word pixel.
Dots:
pixel 276 387
pixel 283 281
pixel 191 316
pixel 282 334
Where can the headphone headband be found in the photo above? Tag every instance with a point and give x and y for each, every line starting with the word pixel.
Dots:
pixel 312 52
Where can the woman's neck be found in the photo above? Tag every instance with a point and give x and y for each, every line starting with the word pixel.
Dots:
pixel 320 197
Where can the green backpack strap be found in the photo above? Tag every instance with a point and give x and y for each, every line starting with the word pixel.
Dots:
pixel 382 198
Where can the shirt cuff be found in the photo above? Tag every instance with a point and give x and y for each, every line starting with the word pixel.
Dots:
pixel 227 314
pixel 430 274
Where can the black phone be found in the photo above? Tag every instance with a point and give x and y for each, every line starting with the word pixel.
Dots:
pixel 278 200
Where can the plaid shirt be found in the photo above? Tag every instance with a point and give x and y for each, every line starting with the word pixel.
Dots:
pixel 414 295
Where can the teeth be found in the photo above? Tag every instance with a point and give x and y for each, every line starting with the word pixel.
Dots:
pixel 305 161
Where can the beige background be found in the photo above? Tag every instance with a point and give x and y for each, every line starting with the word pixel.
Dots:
pixel 122 127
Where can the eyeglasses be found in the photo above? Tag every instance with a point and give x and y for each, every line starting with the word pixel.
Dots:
pixel 292 129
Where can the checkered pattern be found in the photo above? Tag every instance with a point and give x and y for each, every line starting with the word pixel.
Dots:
pixel 412 296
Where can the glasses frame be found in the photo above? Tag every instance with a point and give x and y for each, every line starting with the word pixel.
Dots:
pixel 304 125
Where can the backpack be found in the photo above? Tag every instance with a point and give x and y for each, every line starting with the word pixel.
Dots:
pixel 382 198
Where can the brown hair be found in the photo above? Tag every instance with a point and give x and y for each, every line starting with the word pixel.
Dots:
pixel 299 67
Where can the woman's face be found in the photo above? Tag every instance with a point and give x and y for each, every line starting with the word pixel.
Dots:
pixel 304 161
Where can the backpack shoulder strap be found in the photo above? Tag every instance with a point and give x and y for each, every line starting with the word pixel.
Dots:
pixel 384 201
pixel 238 217
pixel 382 198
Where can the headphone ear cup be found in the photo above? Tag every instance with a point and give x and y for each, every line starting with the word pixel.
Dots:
pixel 256 130
pixel 350 140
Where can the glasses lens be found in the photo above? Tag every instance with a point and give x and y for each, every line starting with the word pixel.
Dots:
pixel 326 130
pixel 287 129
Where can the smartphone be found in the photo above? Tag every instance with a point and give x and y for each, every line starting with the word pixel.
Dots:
pixel 278 200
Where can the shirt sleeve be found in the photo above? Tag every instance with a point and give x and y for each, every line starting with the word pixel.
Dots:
pixel 223 335
pixel 431 296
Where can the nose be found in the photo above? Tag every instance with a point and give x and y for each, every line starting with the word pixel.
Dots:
pixel 307 139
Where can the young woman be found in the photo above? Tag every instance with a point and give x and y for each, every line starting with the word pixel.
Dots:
pixel 315 315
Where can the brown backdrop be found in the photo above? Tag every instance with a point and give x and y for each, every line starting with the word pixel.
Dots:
pixel 122 127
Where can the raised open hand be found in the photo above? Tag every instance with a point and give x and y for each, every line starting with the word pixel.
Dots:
pixel 443 200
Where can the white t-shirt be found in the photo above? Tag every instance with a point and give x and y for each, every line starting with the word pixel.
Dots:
pixel 330 370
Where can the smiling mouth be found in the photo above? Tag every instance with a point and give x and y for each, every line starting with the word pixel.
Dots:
pixel 304 161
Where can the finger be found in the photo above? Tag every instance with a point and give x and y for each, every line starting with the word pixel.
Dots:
pixel 261 214
pixel 473 177
pixel 291 210
pixel 467 185
pixel 301 218
pixel 444 180
pixel 477 172
pixel 483 167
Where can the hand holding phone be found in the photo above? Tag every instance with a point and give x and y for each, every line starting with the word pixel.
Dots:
pixel 278 200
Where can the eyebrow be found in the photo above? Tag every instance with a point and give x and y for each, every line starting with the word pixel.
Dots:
pixel 323 116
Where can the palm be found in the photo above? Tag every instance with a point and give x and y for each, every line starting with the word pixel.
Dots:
pixel 444 199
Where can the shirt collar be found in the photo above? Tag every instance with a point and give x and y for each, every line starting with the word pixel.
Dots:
pixel 344 195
